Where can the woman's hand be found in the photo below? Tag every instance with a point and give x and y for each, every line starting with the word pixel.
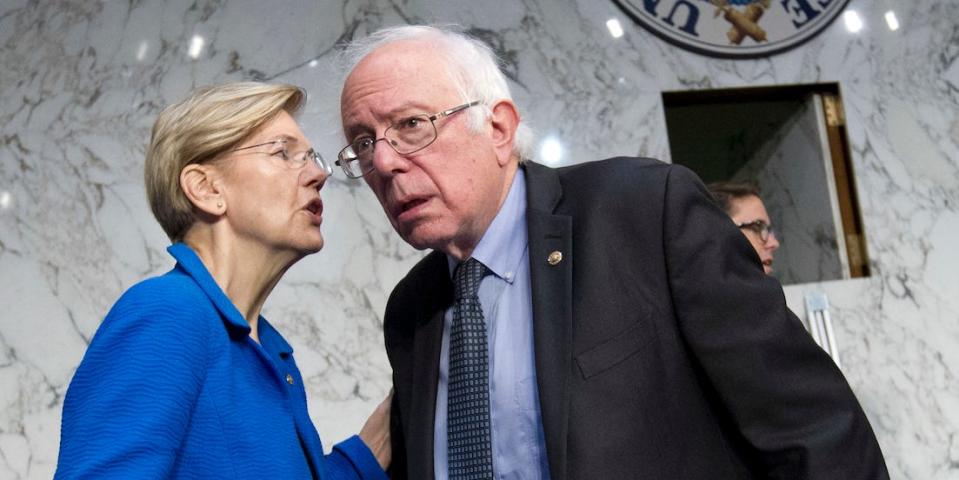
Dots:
pixel 376 432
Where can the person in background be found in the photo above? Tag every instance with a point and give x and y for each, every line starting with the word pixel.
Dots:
pixel 598 321
pixel 742 203
pixel 184 378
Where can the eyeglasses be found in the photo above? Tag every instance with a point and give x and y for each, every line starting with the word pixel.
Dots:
pixel 406 136
pixel 760 227
pixel 295 159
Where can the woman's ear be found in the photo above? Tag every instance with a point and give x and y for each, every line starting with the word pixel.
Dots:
pixel 504 120
pixel 200 185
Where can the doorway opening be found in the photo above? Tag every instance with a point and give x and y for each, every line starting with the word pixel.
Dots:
pixel 791 142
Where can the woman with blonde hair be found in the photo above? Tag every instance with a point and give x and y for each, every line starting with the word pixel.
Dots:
pixel 184 378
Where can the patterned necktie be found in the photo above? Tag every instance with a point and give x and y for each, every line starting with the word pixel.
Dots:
pixel 468 412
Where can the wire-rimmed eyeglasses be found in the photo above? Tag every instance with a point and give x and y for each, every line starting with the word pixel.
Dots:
pixel 760 227
pixel 406 136
pixel 294 159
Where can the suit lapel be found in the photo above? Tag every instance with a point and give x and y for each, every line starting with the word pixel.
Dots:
pixel 551 290
pixel 427 343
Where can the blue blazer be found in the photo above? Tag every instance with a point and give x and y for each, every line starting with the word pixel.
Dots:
pixel 172 386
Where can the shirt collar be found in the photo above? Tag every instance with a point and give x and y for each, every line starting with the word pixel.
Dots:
pixel 502 246
pixel 190 263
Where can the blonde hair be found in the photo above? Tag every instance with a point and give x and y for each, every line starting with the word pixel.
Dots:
pixel 200 128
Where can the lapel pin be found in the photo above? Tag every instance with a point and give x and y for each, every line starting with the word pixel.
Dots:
pixel 554 257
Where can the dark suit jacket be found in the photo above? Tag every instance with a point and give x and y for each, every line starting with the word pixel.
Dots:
pixel 662 350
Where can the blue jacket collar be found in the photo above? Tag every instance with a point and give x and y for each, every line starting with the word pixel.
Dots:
pixel 192 266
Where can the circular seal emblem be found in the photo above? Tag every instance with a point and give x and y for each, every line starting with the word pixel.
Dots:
pixel 735 28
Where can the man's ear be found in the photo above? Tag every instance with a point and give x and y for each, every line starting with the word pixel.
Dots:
pixel 199 184
pixel 504 121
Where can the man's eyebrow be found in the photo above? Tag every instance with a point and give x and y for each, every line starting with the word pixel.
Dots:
pixel 355 129
pixel 409 106
pixel 406 108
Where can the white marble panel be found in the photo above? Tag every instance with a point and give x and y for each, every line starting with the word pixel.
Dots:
pixel 82 81
pixel 790 171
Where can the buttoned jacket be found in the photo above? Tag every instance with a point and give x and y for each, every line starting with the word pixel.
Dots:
pixel 662 349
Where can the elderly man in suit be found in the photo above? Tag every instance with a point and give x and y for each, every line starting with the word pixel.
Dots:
pixel 598 321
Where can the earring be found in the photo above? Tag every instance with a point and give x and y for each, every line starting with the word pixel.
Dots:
pixel 219 205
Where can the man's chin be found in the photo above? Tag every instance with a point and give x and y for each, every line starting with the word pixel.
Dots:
pixel 417 242
pixel 421 239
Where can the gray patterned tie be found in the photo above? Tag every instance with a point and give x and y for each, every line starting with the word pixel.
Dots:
pixel 468 412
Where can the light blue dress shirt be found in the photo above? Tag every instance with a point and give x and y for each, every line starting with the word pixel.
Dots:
pixel 519 446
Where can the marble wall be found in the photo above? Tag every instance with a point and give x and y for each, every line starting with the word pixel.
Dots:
pixel 800 196
pixel 82 81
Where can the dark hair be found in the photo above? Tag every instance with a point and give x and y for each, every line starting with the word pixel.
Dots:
pixel 725 192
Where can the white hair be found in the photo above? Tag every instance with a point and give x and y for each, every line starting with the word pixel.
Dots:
pixel 472 67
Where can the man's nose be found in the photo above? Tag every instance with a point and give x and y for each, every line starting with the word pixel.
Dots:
pixel 385 159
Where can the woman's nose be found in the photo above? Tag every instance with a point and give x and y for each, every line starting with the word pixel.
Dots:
pixel 315 175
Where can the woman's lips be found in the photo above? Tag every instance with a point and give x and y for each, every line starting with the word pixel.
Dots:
pixel 315 209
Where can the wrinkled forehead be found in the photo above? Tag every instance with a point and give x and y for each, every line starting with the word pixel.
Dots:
pixel 400 67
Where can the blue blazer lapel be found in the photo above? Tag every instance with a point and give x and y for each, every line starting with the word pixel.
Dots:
pixel 551 280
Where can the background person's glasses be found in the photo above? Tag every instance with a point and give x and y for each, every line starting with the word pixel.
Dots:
pixel 406 136
pixel 292 159
pixel 762 228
